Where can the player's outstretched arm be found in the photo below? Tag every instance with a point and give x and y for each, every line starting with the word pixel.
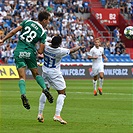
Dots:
pixel 74 49
pixel 10 34
pixel 1 42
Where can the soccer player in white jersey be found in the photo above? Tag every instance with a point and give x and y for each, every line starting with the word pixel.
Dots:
pixel 52 75
pixel 97 54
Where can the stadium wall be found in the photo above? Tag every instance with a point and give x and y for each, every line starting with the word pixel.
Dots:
pixel 84 71
pixel 77 71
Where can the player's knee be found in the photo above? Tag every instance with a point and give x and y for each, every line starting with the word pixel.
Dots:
pixel 61 92
pixel 101 77
pixel 62 95
pixel 48 88
pixel 95 78
pixel 34 72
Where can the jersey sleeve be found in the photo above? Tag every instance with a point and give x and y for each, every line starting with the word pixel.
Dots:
pixel 102 50
pixel 22 23
pixel 64 51
pixel 91 52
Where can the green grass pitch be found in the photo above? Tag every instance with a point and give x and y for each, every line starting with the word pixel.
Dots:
pixel 85 113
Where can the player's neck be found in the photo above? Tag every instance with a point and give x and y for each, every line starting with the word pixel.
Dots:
pixel 53 46
pixel 97 47
pixel 40 22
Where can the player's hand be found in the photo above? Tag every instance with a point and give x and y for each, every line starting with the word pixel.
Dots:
pixel 1 42
pixel 82 47
pixel 95 57
pixel 105 60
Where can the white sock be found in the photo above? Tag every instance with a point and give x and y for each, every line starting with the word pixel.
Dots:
pixel 42 102
pixel 59 104
pixel 100 83
pixel 95 84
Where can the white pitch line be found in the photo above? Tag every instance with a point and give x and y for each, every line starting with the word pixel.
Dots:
pixel 103 93
pixel 122 94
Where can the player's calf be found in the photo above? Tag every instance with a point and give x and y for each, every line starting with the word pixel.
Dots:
pixel 25 102
pixel 48 95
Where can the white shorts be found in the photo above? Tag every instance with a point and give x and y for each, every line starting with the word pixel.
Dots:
pixel 97 70
pixel 55 80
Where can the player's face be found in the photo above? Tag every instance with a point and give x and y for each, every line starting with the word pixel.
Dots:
pixel 45 22
pixel 97 43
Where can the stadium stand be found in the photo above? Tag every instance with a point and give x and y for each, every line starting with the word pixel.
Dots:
pixel 67 20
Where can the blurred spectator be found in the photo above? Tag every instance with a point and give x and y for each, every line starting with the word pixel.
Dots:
pixel 86 7
pixel 108 5
pixel 130 13
pixel 107 44
pixel 120 48
pixel 3 55
pixel 116 34
pixel 81 9
pixel 83 51
pixel 112 49
pixel 123 48
pixel 122 6
pixel 115 4
pixel 129 5
pixel 117 49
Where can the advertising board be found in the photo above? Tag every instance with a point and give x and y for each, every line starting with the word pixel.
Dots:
pixel 73 72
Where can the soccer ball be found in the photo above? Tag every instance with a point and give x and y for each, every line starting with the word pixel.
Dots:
pixel 128 32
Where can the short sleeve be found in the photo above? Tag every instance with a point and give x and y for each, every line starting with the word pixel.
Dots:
pixel 22 23
pixel 65 51
pixel 102 50
pixel 91 52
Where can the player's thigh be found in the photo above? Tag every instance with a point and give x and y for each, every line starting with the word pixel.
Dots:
pixel 101 72
pixel 25 58
pixel 57 81
pixel 95 71
pixel 21 72
pixel 31 62
pixel 101 69
pixel 34 72
pixel 20 62
pixel 46 79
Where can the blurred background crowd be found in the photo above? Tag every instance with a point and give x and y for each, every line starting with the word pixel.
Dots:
pixel 64 22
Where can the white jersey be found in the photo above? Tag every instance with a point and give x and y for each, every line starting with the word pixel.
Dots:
pixel 97 65
pixel 97 52
pixel 51 68
pixel 52 58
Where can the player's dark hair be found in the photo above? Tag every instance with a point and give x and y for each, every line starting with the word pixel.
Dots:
pixel 56 41
pixel 43 15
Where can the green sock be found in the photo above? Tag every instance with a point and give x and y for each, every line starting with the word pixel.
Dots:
pixel 40 81
pixel 22 87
